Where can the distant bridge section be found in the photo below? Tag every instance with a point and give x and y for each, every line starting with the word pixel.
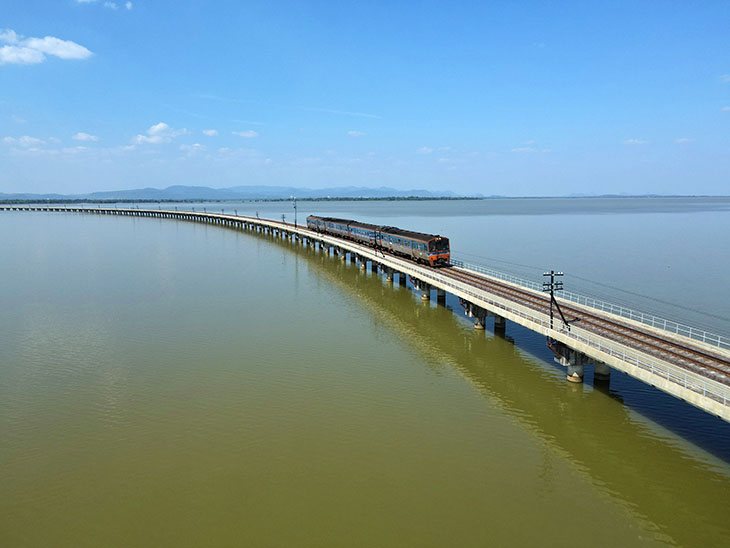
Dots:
pixel 687 363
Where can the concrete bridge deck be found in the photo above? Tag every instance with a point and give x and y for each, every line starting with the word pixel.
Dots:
pixel 690 369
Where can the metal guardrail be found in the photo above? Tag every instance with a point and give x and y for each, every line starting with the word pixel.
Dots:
pixel 648 319
pixel 676 375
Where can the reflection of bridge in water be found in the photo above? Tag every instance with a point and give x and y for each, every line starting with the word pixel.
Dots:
pixel 600 441
pixel 688 364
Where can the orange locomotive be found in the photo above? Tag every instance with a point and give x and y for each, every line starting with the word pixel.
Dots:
pixel 426 248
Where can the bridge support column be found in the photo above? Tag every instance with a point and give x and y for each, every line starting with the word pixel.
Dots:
pixel 575 373
pixel 425 292
pixel 343 255
pixel 363 264
pixel 500 324
pixel 441 297
pixel 401 279
pixel 480 317
pixel 601 372
pixel 388 274
pixel 572 359
pixel 477 312
pixel 373 266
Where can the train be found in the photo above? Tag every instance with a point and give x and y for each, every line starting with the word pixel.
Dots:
pixel 430 249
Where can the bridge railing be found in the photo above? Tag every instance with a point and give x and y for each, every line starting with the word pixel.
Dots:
pixel 673 374
pixel 643 317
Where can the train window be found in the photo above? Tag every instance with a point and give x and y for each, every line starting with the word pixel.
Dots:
pixel 442 244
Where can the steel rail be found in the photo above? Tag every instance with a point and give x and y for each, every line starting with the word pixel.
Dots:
pixel 697 359
pixel 649 319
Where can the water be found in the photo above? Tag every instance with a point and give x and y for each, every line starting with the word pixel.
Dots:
pixel 168 383
pixel 665 256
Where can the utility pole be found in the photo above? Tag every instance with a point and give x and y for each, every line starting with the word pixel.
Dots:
pixel 552 286
pixel 295 210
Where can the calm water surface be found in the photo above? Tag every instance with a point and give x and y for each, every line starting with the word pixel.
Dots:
pixel 164 383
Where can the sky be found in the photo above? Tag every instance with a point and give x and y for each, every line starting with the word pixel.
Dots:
pixel 493 98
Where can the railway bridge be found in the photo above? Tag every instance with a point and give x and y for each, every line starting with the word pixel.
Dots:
pixel 687 363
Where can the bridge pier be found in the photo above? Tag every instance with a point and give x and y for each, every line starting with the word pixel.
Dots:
pixel 441 297
pixel 575 373
pixel 477 312
pixel 423 287
pixel 500 324
pixel 572 359
pixel 388 274
pixel 601 372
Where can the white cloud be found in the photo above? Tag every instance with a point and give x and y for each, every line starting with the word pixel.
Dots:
pixel 164 130
pixel 725 78
pixel 18 119
pixel 107 4
pixel 30 51
pixel 24 141
pixel 634 142
pixel 9 36
pixel 81 136
pixel 210 132
pixel 74 150
pixel 523 149
pixel 192 149
pixel 683 140
pixel 424 150
pixel 353 133
pixel 159 133
pixel 248 134
pixel 20 56
pixel 153 139
pixel 725 108
pixel 65 49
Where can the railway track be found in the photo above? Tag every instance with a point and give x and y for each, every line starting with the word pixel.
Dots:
pixel 695 359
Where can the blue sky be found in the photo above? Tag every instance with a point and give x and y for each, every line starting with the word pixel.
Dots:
pixel 511 98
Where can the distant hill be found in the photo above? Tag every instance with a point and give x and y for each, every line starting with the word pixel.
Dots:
pixel 193 193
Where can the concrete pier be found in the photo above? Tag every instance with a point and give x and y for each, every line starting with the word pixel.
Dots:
pixel 601 372
pixel 500 324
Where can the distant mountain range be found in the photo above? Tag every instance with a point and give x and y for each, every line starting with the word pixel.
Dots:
pixel 194 193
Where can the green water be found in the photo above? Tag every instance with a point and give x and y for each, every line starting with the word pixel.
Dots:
pixel 164 383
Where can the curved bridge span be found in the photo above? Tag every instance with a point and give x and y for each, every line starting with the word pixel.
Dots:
pixel 697 371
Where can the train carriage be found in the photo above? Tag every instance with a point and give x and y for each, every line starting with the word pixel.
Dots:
pixel 338 227
pixel 427 248
pixel 316 223
pixel 365 233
